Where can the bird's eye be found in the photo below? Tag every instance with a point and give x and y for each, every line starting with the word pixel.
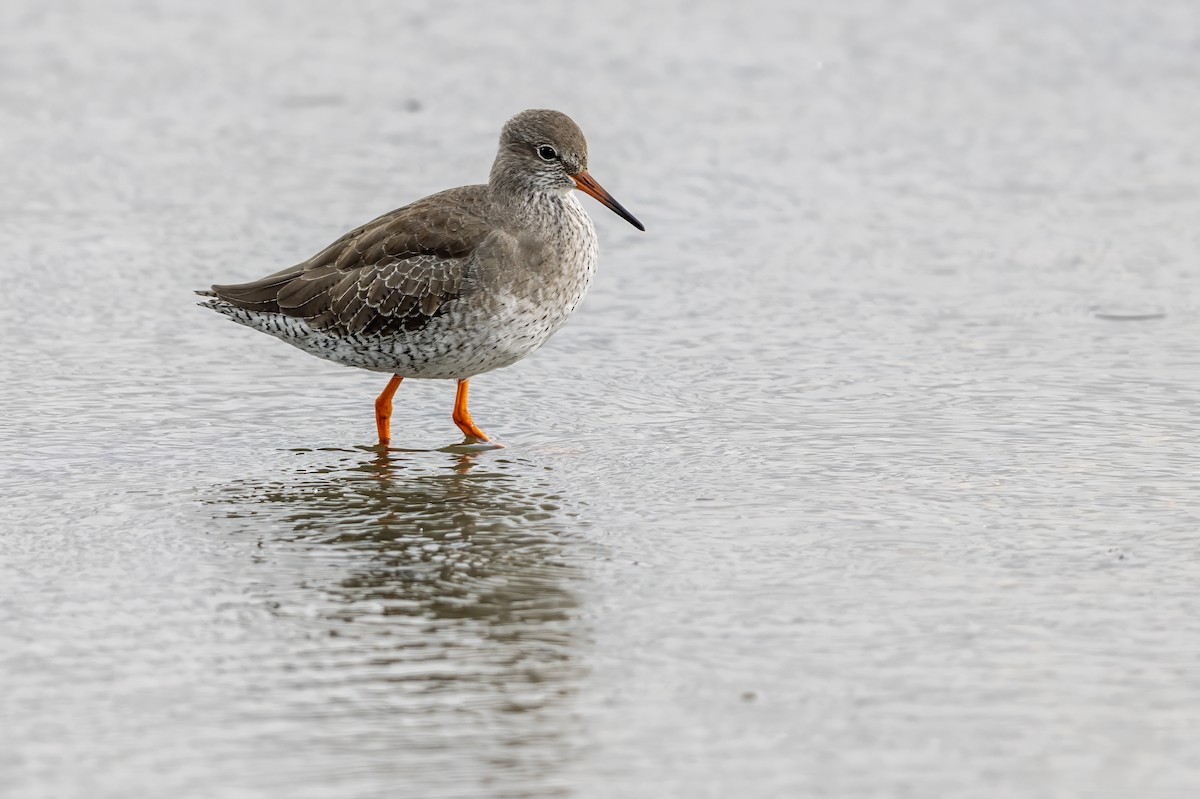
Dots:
pixel 546 152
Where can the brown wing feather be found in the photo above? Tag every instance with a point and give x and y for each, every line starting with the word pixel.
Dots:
pixel 394 273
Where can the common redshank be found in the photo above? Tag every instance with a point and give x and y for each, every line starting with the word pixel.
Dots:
pixel 454 285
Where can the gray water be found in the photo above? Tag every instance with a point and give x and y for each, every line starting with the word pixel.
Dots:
pixel 869 470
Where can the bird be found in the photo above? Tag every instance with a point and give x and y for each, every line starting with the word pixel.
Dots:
pixel 451 286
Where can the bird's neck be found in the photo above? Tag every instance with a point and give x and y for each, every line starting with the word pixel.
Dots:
pixel 536 208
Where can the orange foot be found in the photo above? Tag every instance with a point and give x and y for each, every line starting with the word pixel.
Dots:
pixel 383 410
pixel 462 417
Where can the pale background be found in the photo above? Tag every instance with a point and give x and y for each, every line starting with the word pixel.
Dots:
pixel 869 470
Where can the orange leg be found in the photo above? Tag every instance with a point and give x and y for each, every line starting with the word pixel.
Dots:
pixel 383 410
pixel 462 417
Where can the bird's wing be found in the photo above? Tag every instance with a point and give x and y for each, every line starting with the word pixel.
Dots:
pixel 393 273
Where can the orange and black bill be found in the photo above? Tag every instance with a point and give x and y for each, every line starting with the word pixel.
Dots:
pixel 587 184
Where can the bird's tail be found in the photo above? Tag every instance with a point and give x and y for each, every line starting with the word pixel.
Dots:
pixel 213 301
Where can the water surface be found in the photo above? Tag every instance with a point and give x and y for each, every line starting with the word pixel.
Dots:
pixel 869 470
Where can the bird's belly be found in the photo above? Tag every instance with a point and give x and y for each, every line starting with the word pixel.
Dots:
pixel 468 339
pixel 463 343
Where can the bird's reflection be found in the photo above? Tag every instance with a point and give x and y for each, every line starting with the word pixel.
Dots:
pixel 443 534
pixel 447 575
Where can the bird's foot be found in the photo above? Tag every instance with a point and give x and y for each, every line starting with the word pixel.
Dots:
pixel 472 444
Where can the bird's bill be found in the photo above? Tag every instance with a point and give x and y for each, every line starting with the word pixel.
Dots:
pixel 588 185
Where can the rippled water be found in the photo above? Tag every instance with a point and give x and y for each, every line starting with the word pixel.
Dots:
pixel 869 470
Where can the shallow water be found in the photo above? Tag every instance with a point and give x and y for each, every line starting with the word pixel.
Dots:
pixel 869 470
